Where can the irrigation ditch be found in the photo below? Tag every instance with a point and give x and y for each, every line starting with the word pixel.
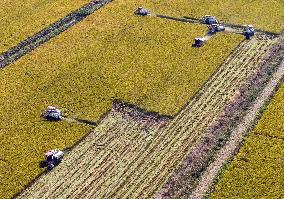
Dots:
pixel 50 32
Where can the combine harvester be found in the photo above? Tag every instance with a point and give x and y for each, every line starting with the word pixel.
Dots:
pixel 248 31
pixel 52 114
pixel 214 28
pixel 142 11
pixel 209 20
pixel 199 41
pixel 52 159
pixel 212 23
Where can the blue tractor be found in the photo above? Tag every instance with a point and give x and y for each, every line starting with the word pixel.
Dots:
pixel 141 11
pixel 52 159
pixel 52 114
pixel 248 31
pixel 209 20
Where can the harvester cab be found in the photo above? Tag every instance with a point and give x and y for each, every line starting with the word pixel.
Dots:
pixel 52 114
pixel 208 19
pixel 198 42
pixel 141 11
pixel 52 159
pixel 214 28
pixel 248 31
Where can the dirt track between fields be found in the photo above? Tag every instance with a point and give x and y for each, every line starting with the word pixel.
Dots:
pixel 232 145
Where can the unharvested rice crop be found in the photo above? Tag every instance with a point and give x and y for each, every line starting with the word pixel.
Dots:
pixel 21 19
pixel 122 159
pixel 272 121
pixel 257 171
pixel 112 54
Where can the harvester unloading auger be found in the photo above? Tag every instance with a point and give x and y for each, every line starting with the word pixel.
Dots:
pixel 211 21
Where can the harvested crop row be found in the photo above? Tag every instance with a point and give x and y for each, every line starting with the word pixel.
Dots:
pixel 185 178
pixel 21 19
pixel 141 169
pixel 112 54
pixel 258 169
pixel 116 135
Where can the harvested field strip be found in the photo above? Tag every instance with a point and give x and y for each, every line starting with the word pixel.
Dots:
pixel 228 26
pixel 111 134
pixel 21 19
pixel 184 179
pixel 237 135
pixel 48 33
pixel 147 165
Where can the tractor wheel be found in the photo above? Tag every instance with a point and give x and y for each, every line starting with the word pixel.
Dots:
pixel 43 164
pixel 49 167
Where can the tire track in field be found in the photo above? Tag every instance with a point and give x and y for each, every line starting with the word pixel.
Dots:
pixel 229 149
pixel 138 170
pixel 50 32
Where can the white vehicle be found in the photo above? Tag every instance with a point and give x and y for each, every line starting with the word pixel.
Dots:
pixel 198 42
pixel 208 19
pixel 215 28
pixel 141 11
pixel 52 114
pixel 52 159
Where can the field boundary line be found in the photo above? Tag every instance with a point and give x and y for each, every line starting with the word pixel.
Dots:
pixel 53 30
pixel 236 138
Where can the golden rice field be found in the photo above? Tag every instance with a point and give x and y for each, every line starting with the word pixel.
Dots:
pixel 272 121
pixel 20 19
pixel 126 157
pixel 257 171
pixel 112 54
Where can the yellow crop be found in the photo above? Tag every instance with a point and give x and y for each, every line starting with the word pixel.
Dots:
pixel 264 14
pixel 112 54
pixel 21 19
pixel 272 121
pixel 257 171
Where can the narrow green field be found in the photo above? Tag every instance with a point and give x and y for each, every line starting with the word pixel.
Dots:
pixel 257 171
pixel 110 55
pixel 20 19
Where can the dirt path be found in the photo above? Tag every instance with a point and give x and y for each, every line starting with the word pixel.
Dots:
pixel 237 136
